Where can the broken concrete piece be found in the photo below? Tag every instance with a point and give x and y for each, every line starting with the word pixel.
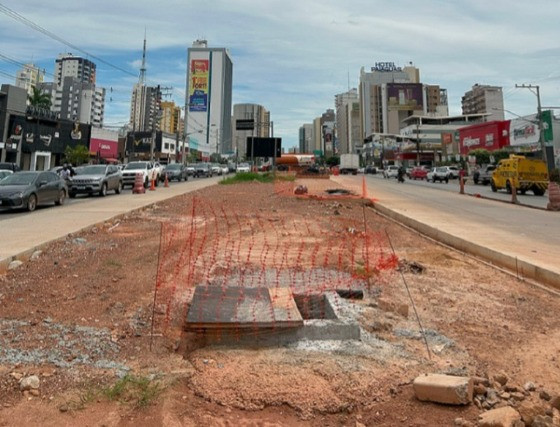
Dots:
pixel 501 417
pixel 446 389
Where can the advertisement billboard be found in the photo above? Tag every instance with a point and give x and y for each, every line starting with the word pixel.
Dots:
pixel 198 85
pixel 488 136
pixel 405 96
pixel 523 132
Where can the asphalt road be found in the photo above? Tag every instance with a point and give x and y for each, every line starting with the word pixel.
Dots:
pixel 484 191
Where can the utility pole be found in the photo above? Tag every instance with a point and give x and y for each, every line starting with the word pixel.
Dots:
pixel 539 114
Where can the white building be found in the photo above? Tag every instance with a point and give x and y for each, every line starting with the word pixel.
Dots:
pixel 484 99
pixel 348 122
pixel 208 125
pixel 247 113
pixel 28 77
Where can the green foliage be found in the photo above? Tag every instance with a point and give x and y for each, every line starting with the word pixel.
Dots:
pixel 500 155
pixel 332 161
pixel 215 158
pixel 139 391
pixel 77 155
pixel 254 176
pixel 39 99
pixel 482 156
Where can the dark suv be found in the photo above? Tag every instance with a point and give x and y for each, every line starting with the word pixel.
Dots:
pixel 10 166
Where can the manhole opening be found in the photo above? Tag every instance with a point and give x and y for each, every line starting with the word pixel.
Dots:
pixel 339 191
pixel 314 307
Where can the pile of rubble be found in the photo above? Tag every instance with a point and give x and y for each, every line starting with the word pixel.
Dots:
pixel 504 404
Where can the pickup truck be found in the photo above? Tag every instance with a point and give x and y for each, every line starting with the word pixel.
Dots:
pixel 145 168
pixel 484 174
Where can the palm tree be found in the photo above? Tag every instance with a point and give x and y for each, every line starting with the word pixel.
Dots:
pixel 39 99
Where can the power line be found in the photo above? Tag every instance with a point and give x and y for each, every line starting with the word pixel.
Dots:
pixel 16 16
pixel 21 64
pixel 4 73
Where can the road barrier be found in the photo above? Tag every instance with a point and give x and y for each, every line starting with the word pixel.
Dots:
pixel 138 184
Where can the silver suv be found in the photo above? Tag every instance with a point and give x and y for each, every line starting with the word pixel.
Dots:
pixel 96 179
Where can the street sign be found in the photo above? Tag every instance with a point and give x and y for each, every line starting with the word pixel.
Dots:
pixel 263 147
pixel 245 124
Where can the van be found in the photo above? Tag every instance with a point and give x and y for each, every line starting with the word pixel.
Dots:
pixel 521 173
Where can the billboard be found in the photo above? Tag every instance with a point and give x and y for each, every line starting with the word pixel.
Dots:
pixel 488 136
pixel 405 96
pixel 263 147
pixel 523 132
pixel 198 85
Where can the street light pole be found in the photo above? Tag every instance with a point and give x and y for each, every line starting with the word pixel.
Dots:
pixel 539 113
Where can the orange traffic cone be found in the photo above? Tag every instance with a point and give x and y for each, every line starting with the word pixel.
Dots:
pixel 153 185
pixel 166 182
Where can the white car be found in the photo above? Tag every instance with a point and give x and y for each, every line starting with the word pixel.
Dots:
pixel 243 167
pixel 216 169
pixel 225 169
pixel 391 172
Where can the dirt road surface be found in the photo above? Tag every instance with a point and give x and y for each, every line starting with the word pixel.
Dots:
pixel 79 317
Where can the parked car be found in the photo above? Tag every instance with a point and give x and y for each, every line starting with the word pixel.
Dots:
pixel 452 171
pixel 243 167
pixel 146 169
pixel 391 172
pixel 418 172
pixel 484 174
pixel 190 169
pixel 10 167
pixel 370 169
pixel 216 169
pixel 27 190
pixel 4 173
pixel 438 174
pixel 159 171
pixel 96 179
pixel 203 169
pixel 225 169
pixel 176 171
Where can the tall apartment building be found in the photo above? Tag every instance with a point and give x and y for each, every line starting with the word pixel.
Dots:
pixel 145 108
pixel 170 118
pixel 209 99
pixel 348 122
pixel 484 99
pixel 68 65
pixel 306 138
pixel 28 77
pixel 328 133
pixel 390 94
pixel 76 96
pixel 261 125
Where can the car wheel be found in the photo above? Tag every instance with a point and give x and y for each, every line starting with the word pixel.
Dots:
pixel 103 191
pixel 61 198
pixel 537 191
pixel 31 202
pixel 119 188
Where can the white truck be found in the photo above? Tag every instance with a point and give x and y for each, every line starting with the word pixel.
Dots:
pixel 349 163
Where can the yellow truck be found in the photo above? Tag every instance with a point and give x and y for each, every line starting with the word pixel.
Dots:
pixel 520 173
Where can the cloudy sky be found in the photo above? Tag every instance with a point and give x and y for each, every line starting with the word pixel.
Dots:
pixel 293 56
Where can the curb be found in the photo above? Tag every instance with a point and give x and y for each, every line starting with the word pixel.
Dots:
pixel 513 264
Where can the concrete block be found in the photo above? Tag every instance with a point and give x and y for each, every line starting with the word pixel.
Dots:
pixel 501 417
pixel 446 389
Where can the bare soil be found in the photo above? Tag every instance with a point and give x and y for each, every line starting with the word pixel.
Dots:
pixel 80 317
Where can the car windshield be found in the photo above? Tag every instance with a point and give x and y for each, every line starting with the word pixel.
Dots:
pixel 202 165
pixel 93 170
pixel 244 165
pixel 174 166
pixel 191 165
pixel 441 170
pixel 21 178
pixel 136 165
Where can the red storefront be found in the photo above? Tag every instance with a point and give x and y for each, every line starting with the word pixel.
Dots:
pixel 489 136
pixel 104 144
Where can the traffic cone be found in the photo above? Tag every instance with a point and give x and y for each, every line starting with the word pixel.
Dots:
pixel 153 185
pixel 138 184
pixel 166 182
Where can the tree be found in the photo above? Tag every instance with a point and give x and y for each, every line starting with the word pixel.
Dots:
pixel 39 99
pixel 77 155
pixel 333 161
pixel 482 156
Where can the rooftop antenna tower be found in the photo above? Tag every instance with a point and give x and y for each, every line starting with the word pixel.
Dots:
pixel 142 79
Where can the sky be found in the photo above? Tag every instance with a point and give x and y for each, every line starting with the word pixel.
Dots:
pixel 294 56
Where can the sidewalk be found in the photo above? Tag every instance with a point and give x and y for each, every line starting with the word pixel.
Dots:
pixel 525 241
pixel 24 234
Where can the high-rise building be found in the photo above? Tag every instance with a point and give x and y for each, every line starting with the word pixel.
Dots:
pixel 484 99
pixel 348 122
pixel 170 117
pixel 145 108
pixel 306 138
pixel 76 97
pixel 68 65
pixel 209 99
pixel 260 118
pixel 390 94
pixel 28 77
pixel 328 132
